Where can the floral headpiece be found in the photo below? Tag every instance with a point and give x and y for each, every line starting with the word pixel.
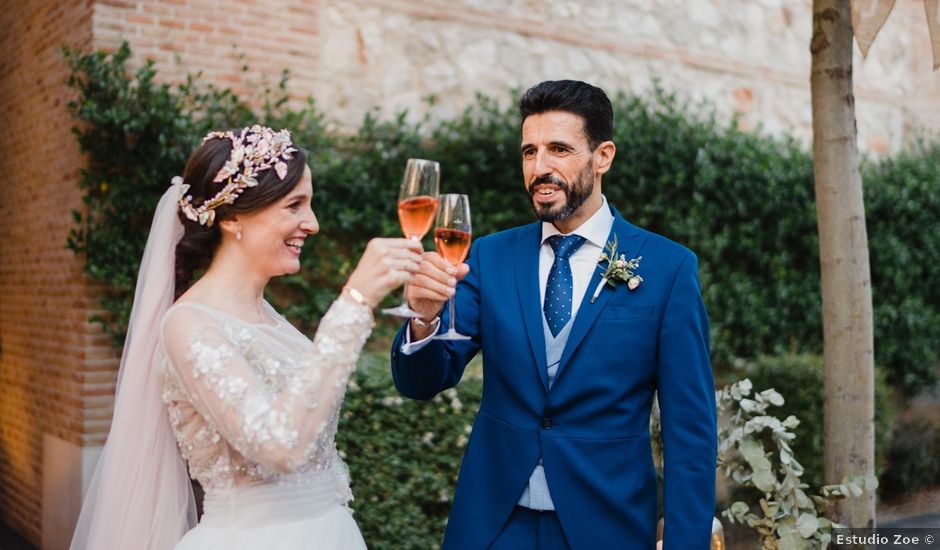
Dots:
pixel 254 149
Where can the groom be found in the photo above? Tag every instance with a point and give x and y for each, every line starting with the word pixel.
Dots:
pixel 560 451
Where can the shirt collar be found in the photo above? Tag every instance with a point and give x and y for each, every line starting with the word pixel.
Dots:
pixel 595 230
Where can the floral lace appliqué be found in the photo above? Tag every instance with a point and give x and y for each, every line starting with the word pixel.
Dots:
pixel 255 403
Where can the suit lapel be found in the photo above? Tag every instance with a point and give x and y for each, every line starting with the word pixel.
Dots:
pixel 527 286
pixel 628 241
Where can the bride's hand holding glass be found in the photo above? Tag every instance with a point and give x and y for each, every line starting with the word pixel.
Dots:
pixel 386 264
pixel 417 203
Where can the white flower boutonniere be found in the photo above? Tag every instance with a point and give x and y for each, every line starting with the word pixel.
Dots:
pixel 617 269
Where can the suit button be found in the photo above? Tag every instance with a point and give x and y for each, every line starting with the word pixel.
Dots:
pixel 546 423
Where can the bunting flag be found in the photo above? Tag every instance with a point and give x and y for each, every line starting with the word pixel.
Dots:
pixel 868 16
pixel 932 7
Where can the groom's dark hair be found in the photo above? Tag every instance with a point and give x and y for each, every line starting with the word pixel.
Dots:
pixel 576 97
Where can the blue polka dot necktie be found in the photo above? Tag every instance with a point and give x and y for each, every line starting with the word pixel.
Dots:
pixel 558 289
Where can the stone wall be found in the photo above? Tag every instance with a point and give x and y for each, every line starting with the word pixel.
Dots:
pixel 748 58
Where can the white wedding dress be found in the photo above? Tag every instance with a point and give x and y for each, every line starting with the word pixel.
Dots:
pixel 254 407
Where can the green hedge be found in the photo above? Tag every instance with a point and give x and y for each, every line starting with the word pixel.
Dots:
pixel 902 202
pixel 403 455
pixel 912 458
pixel 743 201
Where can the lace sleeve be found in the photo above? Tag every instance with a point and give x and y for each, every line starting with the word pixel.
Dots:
pixel 279 430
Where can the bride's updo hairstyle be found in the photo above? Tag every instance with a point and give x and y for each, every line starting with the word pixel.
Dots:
pixel 218 185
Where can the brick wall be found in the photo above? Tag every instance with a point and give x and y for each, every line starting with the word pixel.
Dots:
pixel 43 300
pixel 218 39
pixel 57 370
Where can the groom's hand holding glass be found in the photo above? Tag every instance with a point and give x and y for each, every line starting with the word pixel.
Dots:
pixel 429 289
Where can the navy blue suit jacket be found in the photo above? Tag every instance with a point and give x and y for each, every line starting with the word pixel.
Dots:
pixel 592 429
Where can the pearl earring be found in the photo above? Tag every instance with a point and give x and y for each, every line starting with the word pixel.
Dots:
pixel 238 234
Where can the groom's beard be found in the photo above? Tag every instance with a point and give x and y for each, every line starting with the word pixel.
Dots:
pixel 575 194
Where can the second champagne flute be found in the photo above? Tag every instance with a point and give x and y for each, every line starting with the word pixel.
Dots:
pixel 452 238
pixel 417 203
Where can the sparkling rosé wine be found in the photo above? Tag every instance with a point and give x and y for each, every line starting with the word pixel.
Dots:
pixel 453 244
pixel 416 215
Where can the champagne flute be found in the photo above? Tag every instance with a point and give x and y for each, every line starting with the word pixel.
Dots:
pixel 417 202
pixel 452 238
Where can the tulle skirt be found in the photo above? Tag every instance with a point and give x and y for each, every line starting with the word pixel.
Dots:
pixel 303 515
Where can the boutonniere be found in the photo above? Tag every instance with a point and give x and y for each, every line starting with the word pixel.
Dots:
pixel 618 268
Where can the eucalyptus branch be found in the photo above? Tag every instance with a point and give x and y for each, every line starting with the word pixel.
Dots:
pixel 788 518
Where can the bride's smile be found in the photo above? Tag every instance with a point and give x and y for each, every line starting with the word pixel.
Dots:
pixel 272 237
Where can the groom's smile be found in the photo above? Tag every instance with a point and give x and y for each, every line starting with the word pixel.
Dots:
pixel 554 199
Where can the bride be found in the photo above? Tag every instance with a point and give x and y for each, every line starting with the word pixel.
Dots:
pixel 212 375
